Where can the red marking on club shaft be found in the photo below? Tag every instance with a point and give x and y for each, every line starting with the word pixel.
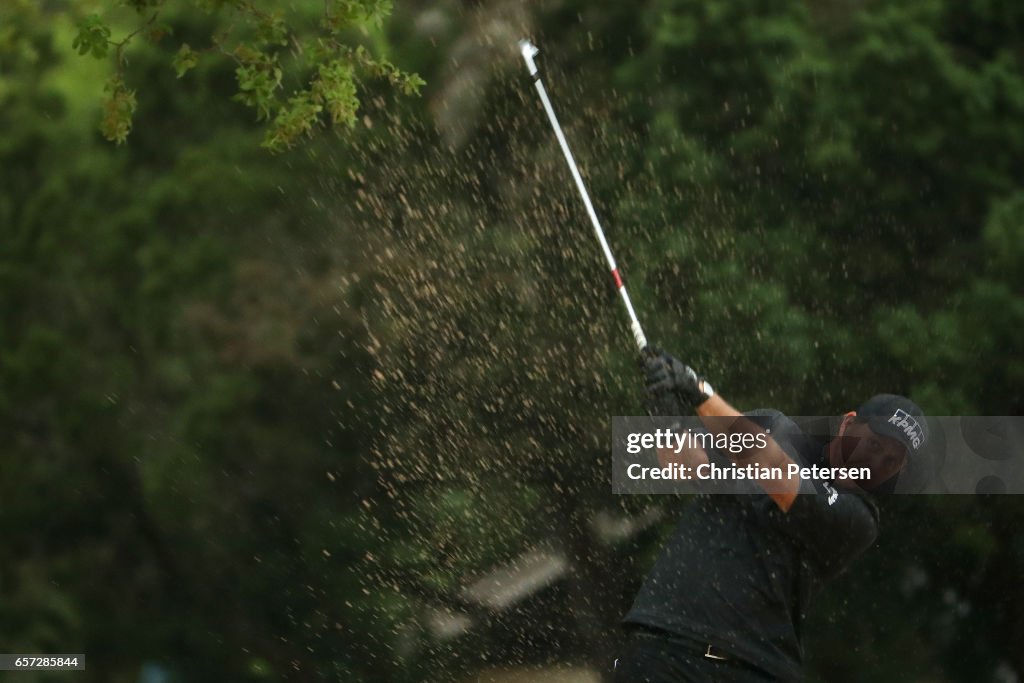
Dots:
pixel 618 279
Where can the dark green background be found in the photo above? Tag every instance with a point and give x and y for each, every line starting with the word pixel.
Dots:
pixel 260 412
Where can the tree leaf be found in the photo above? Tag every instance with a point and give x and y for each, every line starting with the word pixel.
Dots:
pixel 185 60
pixel 118 111
pixel 93 37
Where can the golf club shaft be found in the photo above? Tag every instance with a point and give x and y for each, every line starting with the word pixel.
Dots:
pixel 529 51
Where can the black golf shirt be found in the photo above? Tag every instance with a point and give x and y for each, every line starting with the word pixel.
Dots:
pixel 739 573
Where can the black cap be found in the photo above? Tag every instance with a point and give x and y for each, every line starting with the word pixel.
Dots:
pixel 898 417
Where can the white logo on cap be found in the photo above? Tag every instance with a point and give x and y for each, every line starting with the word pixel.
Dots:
pixel 910 426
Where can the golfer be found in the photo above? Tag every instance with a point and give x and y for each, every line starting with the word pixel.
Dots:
pixel 726 599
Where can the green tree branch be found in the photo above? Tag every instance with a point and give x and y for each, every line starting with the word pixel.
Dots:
pixel 323 65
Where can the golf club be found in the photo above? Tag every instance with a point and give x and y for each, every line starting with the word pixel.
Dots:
pixel 529 51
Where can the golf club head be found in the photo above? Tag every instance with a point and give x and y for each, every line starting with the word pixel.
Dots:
pixel 529 51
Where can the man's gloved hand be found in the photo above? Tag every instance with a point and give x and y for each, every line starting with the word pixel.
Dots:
pixel 668 376
pixel 665 404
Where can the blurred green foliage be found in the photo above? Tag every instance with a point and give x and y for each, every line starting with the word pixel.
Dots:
pixel 261 411
pixel 294 64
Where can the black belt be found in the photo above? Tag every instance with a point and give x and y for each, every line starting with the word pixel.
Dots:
pixel 696 647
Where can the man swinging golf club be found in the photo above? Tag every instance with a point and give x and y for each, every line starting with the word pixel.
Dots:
pixel 726 598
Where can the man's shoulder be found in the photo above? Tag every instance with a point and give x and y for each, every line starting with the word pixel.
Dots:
pixel 775 420
pixel 802 440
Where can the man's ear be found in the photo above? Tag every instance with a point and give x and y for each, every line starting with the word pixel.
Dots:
pixel 847 419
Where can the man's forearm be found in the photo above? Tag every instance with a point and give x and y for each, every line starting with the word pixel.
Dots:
pixel 715 413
